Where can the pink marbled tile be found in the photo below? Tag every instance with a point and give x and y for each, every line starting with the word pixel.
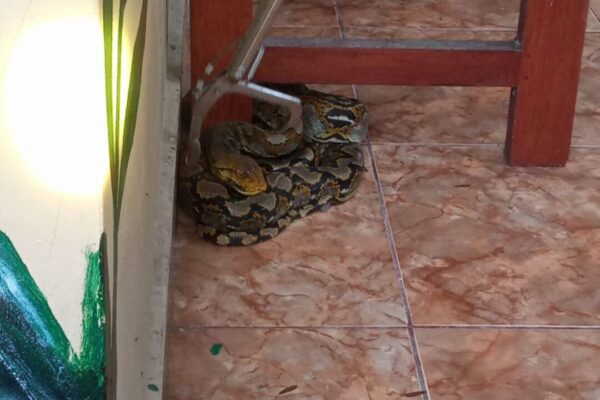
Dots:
pixel 595 5
pixel 299 13
pixel 586 129
pixel 261 364
pixel 433 14
pixel 482 243
pixel 593 23
pixel 306 32
pixel 330 268
pixel 401 32
pixel 438 14
pixel 507 365
pixel 402 114
pixel 588 99
pixel 340 90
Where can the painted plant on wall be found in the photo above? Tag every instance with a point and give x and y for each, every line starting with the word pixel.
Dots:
pixel 121 126
pixel 36 359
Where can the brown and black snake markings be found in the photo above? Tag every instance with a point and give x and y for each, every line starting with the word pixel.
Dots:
pixel 251 183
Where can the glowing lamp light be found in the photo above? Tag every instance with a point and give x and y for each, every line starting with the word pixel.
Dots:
pixel 56 112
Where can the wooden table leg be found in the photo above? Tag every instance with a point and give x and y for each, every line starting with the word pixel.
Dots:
pixel 214 25
pixel 542 105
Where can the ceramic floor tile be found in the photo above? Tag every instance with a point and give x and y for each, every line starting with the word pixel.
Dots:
pixel 306 13
pixel 595 4
pixel 369 32
pixel 429 115
pixel 330 268
pixel 402 114
pixel 588 100
pixel 307 32
pixel 436 14
pixel 508 365
pixel 294 364
pixel 482 243
pixel 593 22
pixel 586 130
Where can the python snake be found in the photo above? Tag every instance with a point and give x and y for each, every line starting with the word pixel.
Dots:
pixel 252 183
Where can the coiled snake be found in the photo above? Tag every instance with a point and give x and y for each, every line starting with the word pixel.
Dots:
pixel 252 183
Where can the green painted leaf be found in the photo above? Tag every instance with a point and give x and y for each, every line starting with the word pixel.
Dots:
pixel 120 143
pixel 107 27
pixel 117 110
pixel 133 97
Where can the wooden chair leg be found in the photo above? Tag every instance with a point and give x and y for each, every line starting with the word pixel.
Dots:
pixel 215 25
pixel 542 105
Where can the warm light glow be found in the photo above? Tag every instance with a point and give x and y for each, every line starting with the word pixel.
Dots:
pixel 55 104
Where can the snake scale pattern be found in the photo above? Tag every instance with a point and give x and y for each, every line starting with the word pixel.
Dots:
pixel 251 183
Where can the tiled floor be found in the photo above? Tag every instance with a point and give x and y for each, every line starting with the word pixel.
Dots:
pixel 450 276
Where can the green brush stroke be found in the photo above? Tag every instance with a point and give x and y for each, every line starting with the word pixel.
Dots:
pixel 90 362
pixel 33 347
pixel 107 28
pixel 133 99
pixel 36 359
pixel 9 389
pixel 216 349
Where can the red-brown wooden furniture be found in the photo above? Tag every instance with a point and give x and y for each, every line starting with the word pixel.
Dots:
pixel 541 66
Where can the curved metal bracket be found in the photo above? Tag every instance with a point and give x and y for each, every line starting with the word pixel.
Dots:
pixel 206 97
pixel 235 80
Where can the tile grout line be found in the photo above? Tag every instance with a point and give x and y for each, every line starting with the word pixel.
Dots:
pixel 429 29
pixel 414 346
pixel 516 327
pixel 400 279
pixel 413 144
pixel 389 236
pixel 338 17
pixel 399 326
pixel 277 26
pixel 420 370
pixel 296 327
pixel 482 145
pixel 595 15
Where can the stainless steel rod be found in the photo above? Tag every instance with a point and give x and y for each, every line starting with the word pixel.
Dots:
pixel 206 97
pixel 251 43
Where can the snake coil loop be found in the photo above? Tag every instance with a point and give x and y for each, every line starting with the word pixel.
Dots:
pixel 250 183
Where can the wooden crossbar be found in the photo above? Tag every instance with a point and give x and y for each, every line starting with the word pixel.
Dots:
pixel 541 67
pixel 390 62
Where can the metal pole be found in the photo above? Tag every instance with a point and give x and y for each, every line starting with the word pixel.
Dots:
pixel 251 44
pixel 235 80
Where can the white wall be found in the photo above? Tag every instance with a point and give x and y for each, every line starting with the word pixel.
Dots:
pixel 51 215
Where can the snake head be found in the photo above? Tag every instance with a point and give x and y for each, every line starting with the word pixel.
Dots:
pixel 245 176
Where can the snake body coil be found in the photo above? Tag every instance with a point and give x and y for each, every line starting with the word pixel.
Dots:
pixel 252 183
